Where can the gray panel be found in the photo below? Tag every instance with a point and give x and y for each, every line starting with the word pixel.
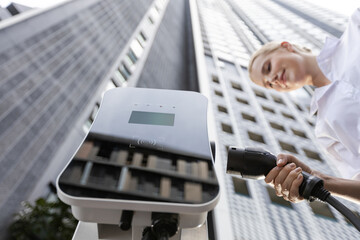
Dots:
pixel 4 13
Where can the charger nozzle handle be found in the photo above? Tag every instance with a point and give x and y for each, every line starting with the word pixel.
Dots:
pixel 253 163
pixel 256 163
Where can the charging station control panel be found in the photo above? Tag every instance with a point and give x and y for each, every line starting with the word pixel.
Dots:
pixel 147 149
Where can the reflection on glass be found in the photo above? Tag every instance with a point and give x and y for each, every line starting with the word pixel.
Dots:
pixel 105 167
pixel 124 71
pixel 119 76
pixel 136 48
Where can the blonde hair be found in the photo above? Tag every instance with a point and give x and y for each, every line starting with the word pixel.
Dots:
pixel 270 47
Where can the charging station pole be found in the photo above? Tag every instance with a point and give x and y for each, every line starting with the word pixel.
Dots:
pixel 89 231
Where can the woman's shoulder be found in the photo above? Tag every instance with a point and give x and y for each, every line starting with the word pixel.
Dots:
pixel 352 31
pixel 341 96
pixel 345 53
pixel 355 16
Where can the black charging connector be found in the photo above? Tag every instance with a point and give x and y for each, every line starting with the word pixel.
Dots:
pixel 164 226
pixel 126 220
pixel 255 163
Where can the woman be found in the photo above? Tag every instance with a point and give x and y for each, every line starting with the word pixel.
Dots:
pixel 336 75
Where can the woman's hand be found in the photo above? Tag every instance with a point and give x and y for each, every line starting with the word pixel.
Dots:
pixel 286 177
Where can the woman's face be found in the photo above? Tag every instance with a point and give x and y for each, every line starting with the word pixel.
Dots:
pixel 282 70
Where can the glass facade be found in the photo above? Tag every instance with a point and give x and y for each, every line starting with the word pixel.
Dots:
pixel 278 122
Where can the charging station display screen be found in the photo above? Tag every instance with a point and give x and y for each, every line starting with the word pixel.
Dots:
pixel 152 118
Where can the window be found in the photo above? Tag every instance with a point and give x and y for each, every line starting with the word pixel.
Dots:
pixel 227 148
pixel 116 84
pixel 287 147
pixel 157 8
pixel 154 14
pixel 256 137
pixel 267 109
pixel 227 128
pixel 124 71
pixel 260 94
pixel 277 126
pixel 298 107
pixel 129 62
pixel 321 209
pixel 310 123
pixel 215 79
pixel 312 154
pixel 219 93
pixel 94 112
pixel 142 36
pixel 222 109
pixel 248 117
pixel 288 115
pixel 278 100
pixel 141 39
pixel 119 76
pixel 87 125
pixel 208 53
pixel 277 200
pixel 151 20
pixel 299 133
pixel 240 186
pixel 207 48
pixel 132 56
pixel 236 86
pixel 243 101
pixel 136 48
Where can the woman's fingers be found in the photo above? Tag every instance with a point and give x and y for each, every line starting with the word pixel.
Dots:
pixel 272 174
pixel 277 176
pixel 294 190
pixel 282 160
pixel 286 185
pixel 286 177
pixel 281 177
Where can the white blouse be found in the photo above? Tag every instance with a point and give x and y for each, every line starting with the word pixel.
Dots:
pixel 338 104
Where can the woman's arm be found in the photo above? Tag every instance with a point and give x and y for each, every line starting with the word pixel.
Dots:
pixel 345 188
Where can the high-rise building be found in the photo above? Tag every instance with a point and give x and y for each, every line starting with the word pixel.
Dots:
pixel 226 33
pixel 11 10
pixel 56 63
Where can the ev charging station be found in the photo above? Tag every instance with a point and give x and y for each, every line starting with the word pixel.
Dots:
pixel 145 170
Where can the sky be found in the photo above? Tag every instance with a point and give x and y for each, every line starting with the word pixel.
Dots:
pixel 345 7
